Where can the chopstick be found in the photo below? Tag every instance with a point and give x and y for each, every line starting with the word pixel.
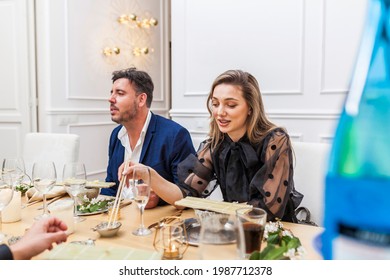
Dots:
pixel 118 198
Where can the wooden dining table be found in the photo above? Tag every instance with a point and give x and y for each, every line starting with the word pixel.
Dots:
pixel 130 219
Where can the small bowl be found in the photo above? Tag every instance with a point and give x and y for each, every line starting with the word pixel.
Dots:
pixel 90 192
pixel 104 231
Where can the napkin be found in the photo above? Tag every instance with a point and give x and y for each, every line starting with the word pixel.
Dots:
pixel 69 251
pixel 211 205
pixel 34 195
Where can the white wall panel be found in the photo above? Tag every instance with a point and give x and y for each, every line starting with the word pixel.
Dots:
pixel 8 55
pixel 11 142
pixel 17 74
pixel 75 77
pixel 299 50
pixel 94 140
pixel 340 42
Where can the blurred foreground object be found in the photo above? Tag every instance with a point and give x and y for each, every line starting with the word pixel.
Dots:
pixel 357 197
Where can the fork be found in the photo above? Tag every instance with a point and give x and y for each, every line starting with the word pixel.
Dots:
pixel 166 220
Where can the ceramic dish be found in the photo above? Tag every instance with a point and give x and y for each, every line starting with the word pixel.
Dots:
pixel 193 231
pixel 106 231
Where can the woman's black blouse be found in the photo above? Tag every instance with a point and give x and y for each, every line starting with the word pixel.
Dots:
pixel 261 175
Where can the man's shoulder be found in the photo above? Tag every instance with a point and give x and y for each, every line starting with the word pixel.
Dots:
pixel 116 130
pixel 162 122
pixel 114 133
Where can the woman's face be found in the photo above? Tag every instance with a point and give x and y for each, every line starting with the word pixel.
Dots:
pixel 230 110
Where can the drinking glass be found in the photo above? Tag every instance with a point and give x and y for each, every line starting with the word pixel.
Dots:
pixel 6 194
pixel 252 221
pixel 75 178
pixel 221 238
pixel 141 192
pixel 44 177
pixel 13 170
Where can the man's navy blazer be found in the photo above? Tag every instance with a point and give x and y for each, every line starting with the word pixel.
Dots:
pixel 166 144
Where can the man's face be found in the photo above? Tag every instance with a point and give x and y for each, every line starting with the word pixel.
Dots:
pixel 123 101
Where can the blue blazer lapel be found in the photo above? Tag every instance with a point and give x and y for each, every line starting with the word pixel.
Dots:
pixel 148 136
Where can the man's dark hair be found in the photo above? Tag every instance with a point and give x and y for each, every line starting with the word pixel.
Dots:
pixel 141 81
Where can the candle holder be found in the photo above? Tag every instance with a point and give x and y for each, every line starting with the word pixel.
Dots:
pixel 171 238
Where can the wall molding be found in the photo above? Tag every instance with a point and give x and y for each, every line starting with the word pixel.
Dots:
pixel 267 92
pixel 79 111
pixel 326 138
pixel 83 124
pixel 175 113
pixel 334 91
pixel 305 115
pixel 301 114
pixel 298 137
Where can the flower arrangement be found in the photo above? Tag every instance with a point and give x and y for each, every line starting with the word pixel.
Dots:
pixel 281 244
pixel 94 205
pixel 23 188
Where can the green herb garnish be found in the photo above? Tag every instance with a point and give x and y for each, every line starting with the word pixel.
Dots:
pixel 94 205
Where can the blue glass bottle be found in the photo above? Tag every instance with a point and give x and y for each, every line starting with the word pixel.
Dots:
pixel 357 196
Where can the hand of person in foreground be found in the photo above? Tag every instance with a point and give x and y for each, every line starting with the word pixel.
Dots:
pixel 41 236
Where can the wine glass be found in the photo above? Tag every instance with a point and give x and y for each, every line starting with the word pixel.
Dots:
pixel 6 194
pixel 221 238
pixel 141 191
pixel 15 169
pixel 75 178
pixel 44 177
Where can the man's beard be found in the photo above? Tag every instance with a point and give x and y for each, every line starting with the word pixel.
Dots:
pixel 128 116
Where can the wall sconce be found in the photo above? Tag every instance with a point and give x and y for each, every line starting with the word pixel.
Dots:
pixel 132 42
pixel 141 51
pixel 132 19
pixel 107 51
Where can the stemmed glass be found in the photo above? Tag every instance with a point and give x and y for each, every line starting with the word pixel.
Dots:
pixel 141 191
pixel 6 194
pixel 15 168
pixel 44 177
pixel 75 178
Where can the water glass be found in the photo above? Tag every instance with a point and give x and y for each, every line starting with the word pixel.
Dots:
pixel 6 194
pixel 252 221
pixel 75 179
pixel 221 238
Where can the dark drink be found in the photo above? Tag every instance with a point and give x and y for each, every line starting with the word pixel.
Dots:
pixel 253 234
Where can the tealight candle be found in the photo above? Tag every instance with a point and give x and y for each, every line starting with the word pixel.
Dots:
pixel 171 253
pixel 13 211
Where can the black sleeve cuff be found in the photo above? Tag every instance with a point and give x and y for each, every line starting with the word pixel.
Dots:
pixel 5 253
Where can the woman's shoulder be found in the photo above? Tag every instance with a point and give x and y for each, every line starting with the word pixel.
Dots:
pixel 279 132
pixel 277 136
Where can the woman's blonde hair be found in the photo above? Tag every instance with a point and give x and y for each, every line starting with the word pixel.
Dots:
pixel 258 124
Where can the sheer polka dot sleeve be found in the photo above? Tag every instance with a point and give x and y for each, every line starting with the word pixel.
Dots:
pixel 274 180
pixel 195 172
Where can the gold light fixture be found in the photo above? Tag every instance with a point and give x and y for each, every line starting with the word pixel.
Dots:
pixel 107 51
pixel 132 19
pixel 132 44
pixel 140 51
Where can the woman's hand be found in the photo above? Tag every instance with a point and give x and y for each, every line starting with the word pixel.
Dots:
pixel 153 200
pixel 122 171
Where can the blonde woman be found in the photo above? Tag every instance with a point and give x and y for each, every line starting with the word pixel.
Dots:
pixel 249 157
